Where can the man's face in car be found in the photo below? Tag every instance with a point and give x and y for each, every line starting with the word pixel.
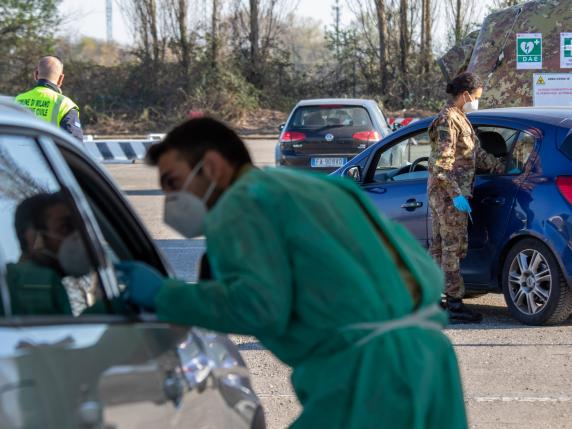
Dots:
pixel 59 224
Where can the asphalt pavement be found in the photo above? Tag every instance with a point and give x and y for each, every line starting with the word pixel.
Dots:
pixel 514 376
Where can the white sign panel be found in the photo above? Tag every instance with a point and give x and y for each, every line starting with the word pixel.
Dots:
pixel 565 50
pixel 528 51
pixel 552 89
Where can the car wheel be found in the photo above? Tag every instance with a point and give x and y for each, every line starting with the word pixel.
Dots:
pixel 533 285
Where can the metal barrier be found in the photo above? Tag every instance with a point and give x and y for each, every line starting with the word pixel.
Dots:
pixel 119 150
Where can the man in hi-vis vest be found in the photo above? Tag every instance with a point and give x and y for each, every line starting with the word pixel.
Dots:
pixel 46 99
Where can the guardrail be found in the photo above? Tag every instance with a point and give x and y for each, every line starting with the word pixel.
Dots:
pixel 119 150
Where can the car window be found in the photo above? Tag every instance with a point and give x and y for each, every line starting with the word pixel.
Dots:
pixel 46 264
pixel 522 150
pixel 405 160
pixel 326 117
pixel 497 141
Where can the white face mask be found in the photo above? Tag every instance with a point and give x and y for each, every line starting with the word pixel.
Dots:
pixel 73 257
pixel 471 106
pixel 184 211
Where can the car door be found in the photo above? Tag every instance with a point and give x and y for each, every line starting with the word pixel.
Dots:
pixel 71 354
pixel 492 202
pixel 396 181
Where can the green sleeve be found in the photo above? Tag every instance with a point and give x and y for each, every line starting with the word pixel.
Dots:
pixel 252 293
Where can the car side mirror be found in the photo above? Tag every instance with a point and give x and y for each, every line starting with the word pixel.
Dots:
pixel 281 127
pixel 354 173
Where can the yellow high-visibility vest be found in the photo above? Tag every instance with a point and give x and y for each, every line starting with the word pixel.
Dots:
pixel 47 104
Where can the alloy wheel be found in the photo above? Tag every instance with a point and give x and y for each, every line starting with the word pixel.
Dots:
pixel 530 281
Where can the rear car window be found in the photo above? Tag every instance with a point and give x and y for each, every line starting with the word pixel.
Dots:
pixel 323 117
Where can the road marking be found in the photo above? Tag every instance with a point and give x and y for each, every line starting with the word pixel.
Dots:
pixel 271 395
pixel 476 398
pixel 522 399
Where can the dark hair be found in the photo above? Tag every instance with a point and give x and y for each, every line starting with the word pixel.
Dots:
pixel 464 82
pixel 195 137
pixel 31 212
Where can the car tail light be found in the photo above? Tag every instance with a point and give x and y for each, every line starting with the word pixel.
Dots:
pixel 564 184
pixel 367 136
pixel 292 137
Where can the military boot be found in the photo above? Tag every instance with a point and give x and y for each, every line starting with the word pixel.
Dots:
pixel 460 313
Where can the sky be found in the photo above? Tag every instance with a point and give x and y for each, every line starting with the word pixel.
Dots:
pixel 88 17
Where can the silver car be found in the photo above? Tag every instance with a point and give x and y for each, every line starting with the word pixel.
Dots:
pixel 73 352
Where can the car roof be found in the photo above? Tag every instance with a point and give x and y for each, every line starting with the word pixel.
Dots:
pixel 338 101
pixel 14 115
pixel 548 115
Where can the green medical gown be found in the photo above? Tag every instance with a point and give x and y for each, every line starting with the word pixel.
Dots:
pixel 295 259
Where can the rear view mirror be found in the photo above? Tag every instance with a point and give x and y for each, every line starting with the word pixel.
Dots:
pixel 281 127
pixel 354 173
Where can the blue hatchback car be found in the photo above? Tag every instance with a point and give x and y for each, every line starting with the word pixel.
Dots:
pixel 520 238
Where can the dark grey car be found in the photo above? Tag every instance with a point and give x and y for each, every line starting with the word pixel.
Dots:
pixel 324 134
pixel 73 354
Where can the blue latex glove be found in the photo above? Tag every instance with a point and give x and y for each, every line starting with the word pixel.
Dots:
pixel 514 171
pixel 142 281
pixel 461 204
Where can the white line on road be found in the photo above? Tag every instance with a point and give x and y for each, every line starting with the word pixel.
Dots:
pixel 521 399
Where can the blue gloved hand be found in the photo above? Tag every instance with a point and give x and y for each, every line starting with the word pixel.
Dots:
pixel 461 204
pixel 514 171
pixel 142 281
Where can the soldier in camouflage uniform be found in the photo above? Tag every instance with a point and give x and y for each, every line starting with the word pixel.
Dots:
pixel 455 155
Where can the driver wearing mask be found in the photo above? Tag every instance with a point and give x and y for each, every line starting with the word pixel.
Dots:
pixel 51 250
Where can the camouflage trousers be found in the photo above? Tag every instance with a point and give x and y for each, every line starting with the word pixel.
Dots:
pixel 449 240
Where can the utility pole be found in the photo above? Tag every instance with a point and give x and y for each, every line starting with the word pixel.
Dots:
pixel 109 20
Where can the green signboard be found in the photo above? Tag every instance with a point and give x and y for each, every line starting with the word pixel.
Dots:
pixel 565 50
pixel 528 51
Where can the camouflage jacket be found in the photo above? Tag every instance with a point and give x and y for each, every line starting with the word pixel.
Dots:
pixel 456 153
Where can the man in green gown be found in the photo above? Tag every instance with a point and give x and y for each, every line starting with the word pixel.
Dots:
pixel 305 263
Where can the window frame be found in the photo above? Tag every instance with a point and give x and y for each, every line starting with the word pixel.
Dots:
pixel 374 159
pixel 47 149
pixel 520 129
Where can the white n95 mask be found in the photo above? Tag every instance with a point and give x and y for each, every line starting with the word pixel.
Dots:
pixel 73 257
pixel 471 106
pixel 184 211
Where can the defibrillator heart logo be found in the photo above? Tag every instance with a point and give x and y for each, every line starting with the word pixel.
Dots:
pixel 527 47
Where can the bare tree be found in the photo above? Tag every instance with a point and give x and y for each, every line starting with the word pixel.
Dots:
pixel 144 19
pixel 404 44
pixel 462 14
pixel 377 11
pixel 257 24
pixel 426 36
pixel 215 42
pixel 178 22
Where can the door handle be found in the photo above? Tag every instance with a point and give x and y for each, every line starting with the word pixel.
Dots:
pixel 411 205
pixel 493 201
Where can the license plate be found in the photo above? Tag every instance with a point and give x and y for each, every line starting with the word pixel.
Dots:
pixel 327 162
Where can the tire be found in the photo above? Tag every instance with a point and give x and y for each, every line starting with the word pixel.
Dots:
pixel 534 288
